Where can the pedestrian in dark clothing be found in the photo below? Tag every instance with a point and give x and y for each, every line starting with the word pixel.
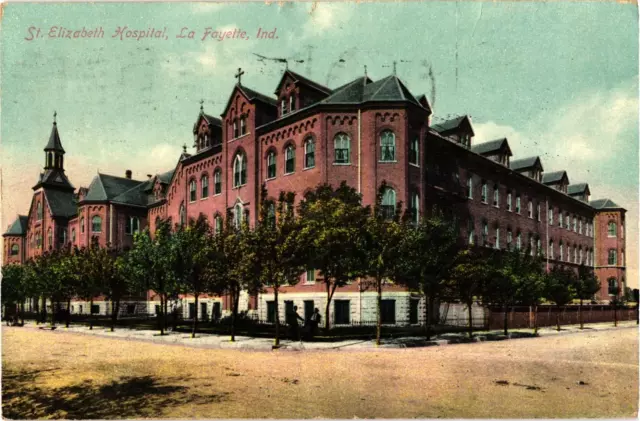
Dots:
pixel 292 321
pixel 315 322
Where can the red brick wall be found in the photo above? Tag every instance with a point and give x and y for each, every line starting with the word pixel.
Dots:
pixel 9 241
pixel 605 243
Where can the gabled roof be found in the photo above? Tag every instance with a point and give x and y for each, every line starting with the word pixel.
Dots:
pixel 578 188
pixel 19 226
pixel 453 124
pixel 424 101
pixel 106 187
pixel 525 163
pixel 251 96
pixel 165 177
pixel 491 147
pixel 211 120
pixel 303 80
pixel 554 177
pixel 54 178
pixel 604 204
pixel 363 89
pixel 54 140
pixel 61 203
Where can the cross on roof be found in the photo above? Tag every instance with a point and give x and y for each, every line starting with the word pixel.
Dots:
pixel 54 117
pixel 202 105
pixel 365 70
pixel 239 75
pixel 394 67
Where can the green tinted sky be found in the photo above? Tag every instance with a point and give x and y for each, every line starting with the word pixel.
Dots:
pixel 558 79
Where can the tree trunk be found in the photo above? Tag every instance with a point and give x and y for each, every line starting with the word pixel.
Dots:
pixel 91 314
pixel 580 315
pixel 195 319
pixel 327 323
pixel 234 313
pixel 469 304
pixel 535 319
pixel 379 311
pixel 558 318
pixel 165 312
pixel 506 320
pixel 53 314
pixel 276 341
pixel 116 311
pixel 615 313
pixel 161 318
pixel 68 312
pixel 43 313
pixel 427 319
pixel 22 312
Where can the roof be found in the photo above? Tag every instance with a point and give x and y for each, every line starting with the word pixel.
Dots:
pixel 453 124
pixel 554 177
pixel 604 204
pixel 211 120
pixel 577 188
pixel 306 81
pixel 363 89
pixel 135 196
pixel 251 96
pixel 106 187
pixel 61 203
pixel 55 178
pixel 422 99
pixel 525 163
pixel 491 146
pixel 165 177
pixel 54 140
pixel 19 226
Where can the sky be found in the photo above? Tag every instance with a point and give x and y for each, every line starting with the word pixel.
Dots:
pixel 558 79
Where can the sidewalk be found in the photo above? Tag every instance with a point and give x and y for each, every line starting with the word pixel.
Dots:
pixel 265 344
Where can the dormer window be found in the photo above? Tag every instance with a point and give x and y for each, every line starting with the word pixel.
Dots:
pixel 292 103
pixel 283 107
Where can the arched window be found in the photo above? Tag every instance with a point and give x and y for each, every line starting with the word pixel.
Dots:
pixel 237 216
pixel 496 196
pixel 239 170
pixel 612 257
pixel 243 125
pixel 519 241
pixel 289 160
pixel 531 245
pixel 192 190
pixel 389 203
pixel 292 103
pixel 483 191
pixel 580 255
pixel 539 246
pixel 73 235
pixel 575 254
pixel 551 256
pixel 575 224
pixel 387 146
pixel 560 218
pixel 561 251
pixel 471 231
pixel 217 181
pixel 309 153
pixel 415 207
pixel 15 249
pixel 612 230
pixel 96 224
pixel 204 186
pixel 217 224
pixel 485 233
pixel 271 164
pixel 271 214
pixel 39 211
pixel 567 221
pixel 613 286
pixel 414 151
pixel 82 225
pixel 342 148
pixel 236 133
pixel 530 209
pixel 550 214
pixel 183 214
pixel 509 238
pixel 497 244
pixel 470 187
pixel 283 107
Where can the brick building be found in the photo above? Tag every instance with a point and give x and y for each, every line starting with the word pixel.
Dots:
pixel 364 132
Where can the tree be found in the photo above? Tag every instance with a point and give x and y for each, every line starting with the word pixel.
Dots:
pixel 429 252
pixel 194 251
pixel 383 250
pixel 66 270
pixel 332 228
pixel 88 285
pixel 586 286
pixel 14 288
pixel 559 288
pixel 468 279
pixel 280 249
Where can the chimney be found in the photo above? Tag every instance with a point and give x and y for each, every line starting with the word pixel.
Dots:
pixel 128 174
pixel 149 176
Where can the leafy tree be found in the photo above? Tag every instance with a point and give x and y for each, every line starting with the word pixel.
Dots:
pixel 586 286
pixel 88 285
pixel 429 252
pixel 66 269
pixel 194 250
pixel 280 247
pixel 14 288
pixel 560 288
pixel 383 250
pixel 332 228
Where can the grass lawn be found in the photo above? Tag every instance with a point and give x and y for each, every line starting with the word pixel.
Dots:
pixel 63 375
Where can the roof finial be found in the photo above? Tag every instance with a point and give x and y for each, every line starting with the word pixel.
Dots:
pixel 201 106
pixel 54 117
pixel 239 75
pixel 184 148
pixel 365 70
pixel 394 67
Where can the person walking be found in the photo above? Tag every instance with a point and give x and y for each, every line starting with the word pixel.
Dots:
pixel 292 321
pixel 315 322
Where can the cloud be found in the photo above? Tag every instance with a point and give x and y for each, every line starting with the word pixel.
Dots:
pixel 324 17
pixel 206 7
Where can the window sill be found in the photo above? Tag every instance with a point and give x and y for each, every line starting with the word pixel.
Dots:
pixel 192 201
pixel 496 206
pixel 387 162
pixel 204 198
pixel 288 173
pixel 239 137
pixel 217 194
pixel 342 163
pixel 483 202
pixel 308 168
pixel 238 187
pixel 270 178
pixel 414 165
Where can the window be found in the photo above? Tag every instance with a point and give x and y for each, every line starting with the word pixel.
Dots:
pixel 612 229
pixel 204 186
pixel 485 234
pixel 561 251
pixel 292 103
pixel 271 164
pixel 551 256
pixel 15 249
pixel 539 246
pixel 472 231
pixel 283 107
pixel 387 146
pixel 389 203
pixel 519 241
pixel 341 312
pixel 217 224
pixel 538 212
pixel 497 244
pixel 237 216
pixel 39 211
pixel 96 224
pixel 580 255
pixel 580 226
pixel 621 230
pixel 73 235
pixel 217 181
pixel 509 238
pixel 483 195
pixel 388 312
pixel 342 147
pixel 289 160
pixel 415 207
pixel 183 214
pixel 236 132
pixel 496 196
pixel 271 215
pixel 239 170
pixel 567 221
pixel 622 258
pixel 414 151
pixel 613 286
pixel 550 213
pixel 560 219
pixel 518 204
pixel 531 250
pixel 530 209
pixel 311 276
pixel 613 257
pixel 470 187
pixel 132 225
pixel 192 190
pixel 49 238
pixel 509 201
pixel 575 224
pixel 243 125
pixel 309 153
